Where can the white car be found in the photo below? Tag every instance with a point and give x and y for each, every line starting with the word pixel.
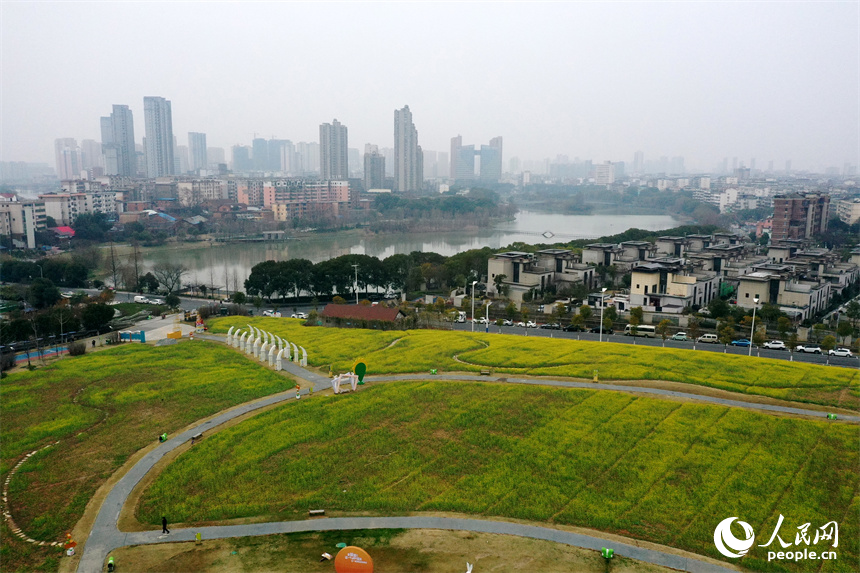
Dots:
pixel 520 324
pixel 302 315
pixel 271 313
pixel 844 352
pixel 156 301
pixel 775 345
pixel 531 324
pixel 809 349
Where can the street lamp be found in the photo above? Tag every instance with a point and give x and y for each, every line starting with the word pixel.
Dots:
pixel 356 284
pixel 602 304
pixel 473 305
pixel 487 316
pixel 752 333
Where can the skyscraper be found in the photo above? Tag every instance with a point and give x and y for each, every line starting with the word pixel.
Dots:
pixel 68 156
pixel 334 160
pixel 462 160
pixel 260 154
pixel 158 121
pixel 374 168
pixel 197 150
pixel 491 160
pixel 118 142
pixel 408 158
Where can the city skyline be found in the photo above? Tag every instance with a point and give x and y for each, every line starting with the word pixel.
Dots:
pixel 775 81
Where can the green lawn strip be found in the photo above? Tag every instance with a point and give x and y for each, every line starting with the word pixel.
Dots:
pixel 126 397
pixel 422 350
pixel 657 470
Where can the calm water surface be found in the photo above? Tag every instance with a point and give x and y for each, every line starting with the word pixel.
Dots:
pixel 222 264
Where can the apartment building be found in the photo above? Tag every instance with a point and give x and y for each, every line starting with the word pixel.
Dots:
pixel 20 220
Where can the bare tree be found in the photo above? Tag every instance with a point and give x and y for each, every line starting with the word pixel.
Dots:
pixel 169 275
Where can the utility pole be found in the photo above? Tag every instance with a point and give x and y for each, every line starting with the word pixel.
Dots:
pixel 356 284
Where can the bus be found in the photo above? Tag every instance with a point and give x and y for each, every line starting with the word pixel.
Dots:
pixel 646 330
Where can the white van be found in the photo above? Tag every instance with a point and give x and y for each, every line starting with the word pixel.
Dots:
pixel 141 299
pixel 708 339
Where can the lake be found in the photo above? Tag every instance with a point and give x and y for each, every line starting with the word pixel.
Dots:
pixel 231 264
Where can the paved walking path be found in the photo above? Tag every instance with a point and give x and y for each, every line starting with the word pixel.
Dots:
pixel 105 535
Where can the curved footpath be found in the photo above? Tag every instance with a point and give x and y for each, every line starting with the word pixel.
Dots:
pixel 105 535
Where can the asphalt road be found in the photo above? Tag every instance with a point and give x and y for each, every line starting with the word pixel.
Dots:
pixel 105 535
pixel 853 362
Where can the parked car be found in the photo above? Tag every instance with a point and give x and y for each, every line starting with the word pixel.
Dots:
pixel 531 324
pixel 596 330
pixel 573 328
pixel 521 324
pixel 680 337
pixel 708 339
pixel 269 313
pixel 302 315
pixel 141 299
pixel 776 345
pixel 156 301
pixel 741 342
pixel 507 322
pixel 844 352
pixel 551 326
pixel 808 348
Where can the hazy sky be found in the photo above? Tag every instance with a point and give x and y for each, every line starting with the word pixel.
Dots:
pixel 599 81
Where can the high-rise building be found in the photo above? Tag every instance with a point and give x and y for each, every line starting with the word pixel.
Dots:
pixel 408 157
pixel 158 122
pixel 216 155
pixel 180 158
pixel 242 159
pixel 68 156
pixel 91 154
pixel 334 158
pixel 260 154
pixel 638 162
pixel 491 160
pixel 462 160
pixel 197 151
pixel 120 154
pixel 797 216
pixel 374 168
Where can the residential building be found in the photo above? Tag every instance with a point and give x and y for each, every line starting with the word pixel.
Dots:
pixel 260 154
pixel 199 191
pixel 197 151
pixel 408 157
pixel 462 160
pixel 776 285
pixel 118 148
pixel 848 210
pixel 65 207
pixel 491 160
pixel 334 157
pixel 158 122
pixel 20 220
pixel 604 173
pixel 534 272
pixel 797 216
pixel 666 285
pixel 68 157
pixel 374 168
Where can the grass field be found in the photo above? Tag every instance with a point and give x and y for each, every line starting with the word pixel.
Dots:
pixel 657 470
pixel 421 350
pixel 102 408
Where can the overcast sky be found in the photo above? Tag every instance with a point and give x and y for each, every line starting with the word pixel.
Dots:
pixel 599 81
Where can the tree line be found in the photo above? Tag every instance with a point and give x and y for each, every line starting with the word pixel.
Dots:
pixel 409 273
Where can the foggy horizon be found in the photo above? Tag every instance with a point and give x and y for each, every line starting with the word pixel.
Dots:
pixel 770 81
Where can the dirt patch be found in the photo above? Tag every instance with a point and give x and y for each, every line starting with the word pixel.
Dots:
pixel 417 550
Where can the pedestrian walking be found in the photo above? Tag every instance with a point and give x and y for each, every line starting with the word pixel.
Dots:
pixel 164 525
